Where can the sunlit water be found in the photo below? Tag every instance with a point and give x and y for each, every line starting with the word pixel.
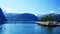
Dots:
pixel 28 29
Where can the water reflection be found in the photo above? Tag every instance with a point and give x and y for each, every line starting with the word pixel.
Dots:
pixel 0 31
pixel 19 29
pixel 49 29
pixel 29 29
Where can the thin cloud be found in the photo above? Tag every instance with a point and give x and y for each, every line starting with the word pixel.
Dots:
pixel 50 12
pixel 11 10
pixel 7 10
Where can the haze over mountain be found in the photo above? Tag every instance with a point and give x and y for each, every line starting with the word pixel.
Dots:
pixel 21 17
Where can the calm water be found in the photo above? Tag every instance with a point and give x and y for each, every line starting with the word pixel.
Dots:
pixel 28 29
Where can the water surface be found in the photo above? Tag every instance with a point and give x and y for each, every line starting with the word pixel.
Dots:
pixel 28 29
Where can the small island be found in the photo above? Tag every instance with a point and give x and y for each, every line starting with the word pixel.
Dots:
pixel 48 21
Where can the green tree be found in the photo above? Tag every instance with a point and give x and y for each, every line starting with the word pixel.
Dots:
pixel 47 18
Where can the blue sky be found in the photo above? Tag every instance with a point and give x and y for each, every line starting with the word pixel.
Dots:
pixel 30 6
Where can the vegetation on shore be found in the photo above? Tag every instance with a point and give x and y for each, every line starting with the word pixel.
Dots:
pixel 46 18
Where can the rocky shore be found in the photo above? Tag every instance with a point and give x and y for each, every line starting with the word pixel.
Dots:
pixel 48 23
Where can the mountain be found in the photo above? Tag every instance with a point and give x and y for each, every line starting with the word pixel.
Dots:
pixel 10 16
pixel 21 17
pixel 2 17
pixel 56 17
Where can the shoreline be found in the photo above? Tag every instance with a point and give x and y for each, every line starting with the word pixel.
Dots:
pixel 47 23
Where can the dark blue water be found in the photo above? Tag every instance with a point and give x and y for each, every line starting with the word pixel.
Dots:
pixel 28 29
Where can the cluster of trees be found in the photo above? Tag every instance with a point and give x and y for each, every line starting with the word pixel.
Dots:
pixel 47 18
pixel 55 17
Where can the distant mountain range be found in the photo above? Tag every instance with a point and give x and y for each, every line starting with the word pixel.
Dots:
pixel 21 17
pixel 56 17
